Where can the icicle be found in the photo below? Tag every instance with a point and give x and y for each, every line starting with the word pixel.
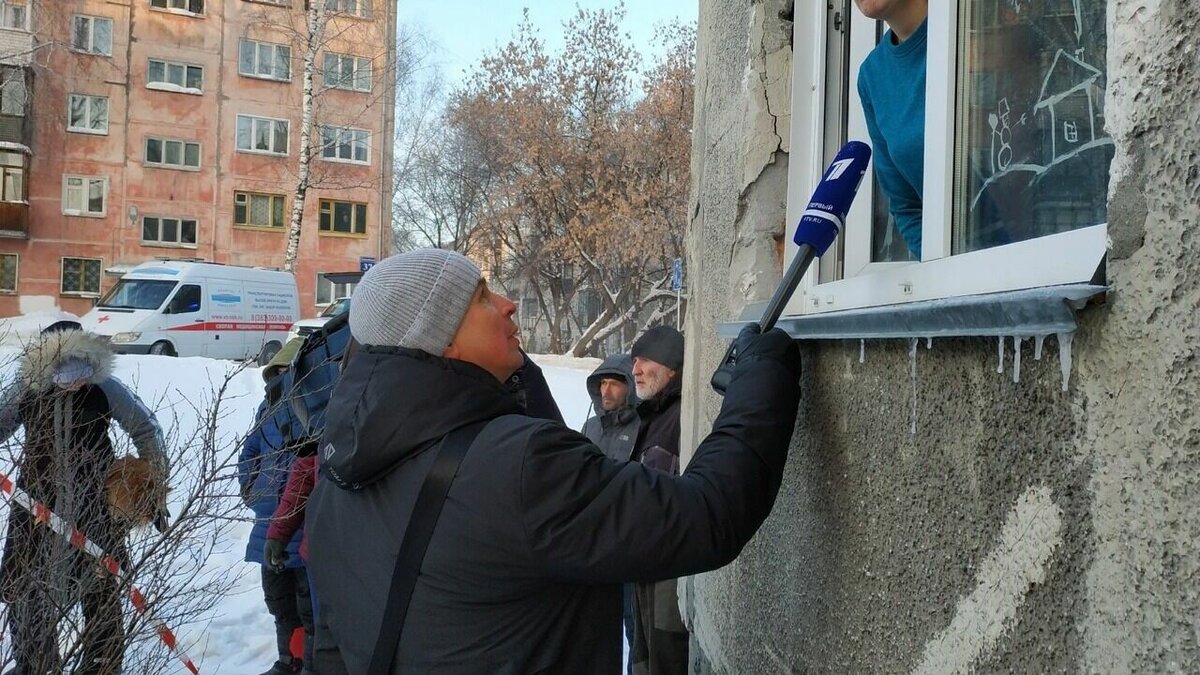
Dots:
pixel 912 365
pixel 1000 351
pixel 1064 357
pixel 1037 347
pixel 862 351
pixel 928 343
pixel 1017 358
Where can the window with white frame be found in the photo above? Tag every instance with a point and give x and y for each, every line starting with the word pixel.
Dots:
pixel 14 96
pixel 161 231
pixel 346 71
pixel 85 196
pixel 87 114
pixel 92 34
pixel 9 263
pixel 342 217
pixel 80 276
pixel 327 291
pixel 189 6
pixel 172 154
pixel 172 75
pixel 266 60
pixel 1016 159
pixel 14 14
pixel 352 7
pixel 262 134
pixel 252 209
pixel 345 144
pixel 13 168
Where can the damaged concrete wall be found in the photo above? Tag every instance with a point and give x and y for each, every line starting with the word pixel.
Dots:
pixel 1021 528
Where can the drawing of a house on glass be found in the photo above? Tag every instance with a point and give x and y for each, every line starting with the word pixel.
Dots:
pixel 1068 98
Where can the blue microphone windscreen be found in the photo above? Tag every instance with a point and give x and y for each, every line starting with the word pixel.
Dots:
pixel 826 212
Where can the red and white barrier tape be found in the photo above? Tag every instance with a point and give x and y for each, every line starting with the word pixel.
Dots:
pixel 80 541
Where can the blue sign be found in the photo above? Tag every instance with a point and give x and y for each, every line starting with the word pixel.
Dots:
pixel 365 264
pixel 677 275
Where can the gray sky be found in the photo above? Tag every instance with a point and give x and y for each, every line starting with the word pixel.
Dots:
pixel 467 29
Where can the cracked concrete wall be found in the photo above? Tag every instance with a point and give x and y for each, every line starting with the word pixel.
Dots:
pixel 1021 528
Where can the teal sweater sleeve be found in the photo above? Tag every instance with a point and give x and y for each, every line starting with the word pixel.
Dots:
pixel 891 85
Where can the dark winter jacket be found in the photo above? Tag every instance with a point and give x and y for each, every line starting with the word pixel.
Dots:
pixel 523 572
pixel 263 467
pixel 67 451
pixel 614 431
pixel 288 520
pixel 657 443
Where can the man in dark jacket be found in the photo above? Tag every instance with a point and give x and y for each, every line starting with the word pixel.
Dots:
pixel 615 425
pixel 660 644
pixel 522 573
pixel 66 397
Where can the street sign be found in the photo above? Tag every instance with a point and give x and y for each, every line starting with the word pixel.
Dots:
pixel 677 275
pixel 365 264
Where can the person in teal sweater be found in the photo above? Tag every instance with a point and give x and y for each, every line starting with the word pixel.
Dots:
pixel 891 85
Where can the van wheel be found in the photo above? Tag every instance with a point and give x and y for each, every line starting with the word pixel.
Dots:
pixel 268 352
pixel 162 348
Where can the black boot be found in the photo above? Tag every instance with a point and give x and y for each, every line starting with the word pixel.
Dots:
pixel 281 668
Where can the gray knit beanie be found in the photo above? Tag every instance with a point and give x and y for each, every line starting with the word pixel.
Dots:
pixel 415 299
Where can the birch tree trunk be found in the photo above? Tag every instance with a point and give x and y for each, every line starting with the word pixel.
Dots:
pixel 316 19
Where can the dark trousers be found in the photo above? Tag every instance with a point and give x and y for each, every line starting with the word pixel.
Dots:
pixel 661 640
pixel 287 596
pixel 35 616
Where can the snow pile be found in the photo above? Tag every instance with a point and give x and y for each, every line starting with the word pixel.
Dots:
pixel 19 330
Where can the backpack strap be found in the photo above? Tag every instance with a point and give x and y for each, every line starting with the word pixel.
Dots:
pixel 420 528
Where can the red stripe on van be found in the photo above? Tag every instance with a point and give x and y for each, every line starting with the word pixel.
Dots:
pixel 233 326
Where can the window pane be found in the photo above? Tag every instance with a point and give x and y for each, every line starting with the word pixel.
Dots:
pixel 8 278
pixel 170 229
pixel 244 125
pixel 81 36
pixel 175 73
pixel 12 96
pixel 173 152
pixel 73 200
pixel 331 70
pixel 347 75
pixel 150 229
pixel 265 55
pixel 102 36
pixel 196 6
pixel 195 77
pixel 281 136
pixel 360 147
pixel 343 150
pixel 260 208
pixel 96 196
pixel 239 213
pixel 277 212
pixel 91 276
pixel 191 154
pixel 262 135
pixel 14 185
pixel 342 212
pixel 78 114
pixel 328 140
pixel 154 150
pixel 325 222
pixel 362 77
pixel 99 113
pixel 360 218
pixel 246 57
pixel 283 65
pixel 158 71
pixel 187 232
pixel 1034 155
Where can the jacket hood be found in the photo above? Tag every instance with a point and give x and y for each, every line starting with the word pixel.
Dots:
pixel 74 352
pixel 616 365
pixel 393 403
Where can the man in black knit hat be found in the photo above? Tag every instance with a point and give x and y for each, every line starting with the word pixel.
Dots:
pixel 660 640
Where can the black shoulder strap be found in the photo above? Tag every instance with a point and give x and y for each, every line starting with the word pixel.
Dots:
pixel 424 518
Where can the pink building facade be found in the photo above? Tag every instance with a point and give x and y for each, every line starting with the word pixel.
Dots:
pixel 137 129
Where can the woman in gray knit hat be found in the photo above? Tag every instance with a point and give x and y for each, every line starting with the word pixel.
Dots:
pixel 538 529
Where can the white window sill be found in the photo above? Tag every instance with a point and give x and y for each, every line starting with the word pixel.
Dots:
pixel 171 167
pixel 167 244
pixel 83 214
pixel 89 132
pixel 352 90
pixel 177 12
pixel 80 294
pixel 90 53
pixel 338 160
pixel 10 29
pixel 265 78
pixel 266 153
pixel 173 88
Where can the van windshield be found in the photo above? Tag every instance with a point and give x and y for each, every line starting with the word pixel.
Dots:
pixel 137 294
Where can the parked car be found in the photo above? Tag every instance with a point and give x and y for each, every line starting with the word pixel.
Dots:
pixel 183 308
pixel 305 326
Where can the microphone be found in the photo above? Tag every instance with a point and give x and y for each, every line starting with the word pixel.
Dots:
pixel 819 226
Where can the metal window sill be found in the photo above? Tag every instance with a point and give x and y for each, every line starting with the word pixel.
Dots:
pixel 1026 313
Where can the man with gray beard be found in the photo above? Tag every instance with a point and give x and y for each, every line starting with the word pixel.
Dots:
pixel 660 644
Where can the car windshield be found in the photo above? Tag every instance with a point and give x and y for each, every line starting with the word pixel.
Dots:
pixel 137 294
pixel 338 307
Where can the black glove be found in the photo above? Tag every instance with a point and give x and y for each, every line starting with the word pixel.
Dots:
pixel 275 555
pixel 774 345
pixel 247 498
pixel 162 520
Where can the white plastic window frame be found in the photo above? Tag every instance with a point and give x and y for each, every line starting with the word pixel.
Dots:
pixel 182 165
pixel 88 117
pixel 331 291
pixel 178 241
pixel 1069 257
pixel 166 84
pixel 255 120
pixel 7 11
pixel 355 138
pixel 84 192
pixel 277 50
pixel 91 47
pixel 360 77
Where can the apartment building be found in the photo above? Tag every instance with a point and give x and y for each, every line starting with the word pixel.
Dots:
pixel 137 129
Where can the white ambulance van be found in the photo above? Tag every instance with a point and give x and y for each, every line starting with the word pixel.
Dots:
pixel 184 308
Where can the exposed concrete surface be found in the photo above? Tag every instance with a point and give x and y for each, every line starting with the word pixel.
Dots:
pixel 885 543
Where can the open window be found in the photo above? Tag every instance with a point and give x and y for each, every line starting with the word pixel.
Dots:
pixel 1016 158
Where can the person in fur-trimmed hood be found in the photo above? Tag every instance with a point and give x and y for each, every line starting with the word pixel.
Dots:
pixel 65 396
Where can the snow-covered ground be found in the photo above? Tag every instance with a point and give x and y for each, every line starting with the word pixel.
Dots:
pixel 238 636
